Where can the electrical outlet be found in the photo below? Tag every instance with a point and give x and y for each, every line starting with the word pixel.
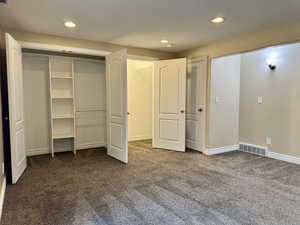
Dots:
pixel 269 141
pixel 260 100
pixel 217 100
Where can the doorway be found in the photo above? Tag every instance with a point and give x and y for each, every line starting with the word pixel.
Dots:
pixel 140 99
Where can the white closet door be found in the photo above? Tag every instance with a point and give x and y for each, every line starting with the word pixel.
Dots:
pixel 116 92
pixel 195 106
pixel 169 104
pixel 16 109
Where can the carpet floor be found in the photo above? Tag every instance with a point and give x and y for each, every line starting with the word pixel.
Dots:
pixel 156 187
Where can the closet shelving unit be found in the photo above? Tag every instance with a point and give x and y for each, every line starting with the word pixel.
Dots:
pixel 62 102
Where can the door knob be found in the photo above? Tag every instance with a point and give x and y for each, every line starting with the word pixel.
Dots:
pixel 200 110
pixel 182 111
pixel 128 113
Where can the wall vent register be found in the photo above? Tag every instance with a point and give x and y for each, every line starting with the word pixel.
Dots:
pixel 253 149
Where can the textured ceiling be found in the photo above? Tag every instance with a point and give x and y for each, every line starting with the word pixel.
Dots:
pixel 143 23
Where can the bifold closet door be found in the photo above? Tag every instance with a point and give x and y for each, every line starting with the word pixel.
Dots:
pixel 116 94
pixel 169 104
pixel 36 104
pixel 16 107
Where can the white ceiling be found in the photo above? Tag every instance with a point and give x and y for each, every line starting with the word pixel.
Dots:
pixel 143 23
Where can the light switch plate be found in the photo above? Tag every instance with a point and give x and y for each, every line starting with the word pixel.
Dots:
pixel 269 141
pixel 217 99
pixel 259 100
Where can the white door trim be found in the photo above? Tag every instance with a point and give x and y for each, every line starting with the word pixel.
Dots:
pixel 62 48
pixel 74 50
pixel 197 59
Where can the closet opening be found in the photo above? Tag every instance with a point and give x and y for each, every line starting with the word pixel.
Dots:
pixel 64 102
pixel 140 102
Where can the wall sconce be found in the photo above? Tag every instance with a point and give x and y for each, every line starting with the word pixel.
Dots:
pixel 272 66
pixel 272 60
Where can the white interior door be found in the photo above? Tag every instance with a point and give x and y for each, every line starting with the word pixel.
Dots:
pixel 195 105
pixel 116 92
pixel 16 109
pixel 169 104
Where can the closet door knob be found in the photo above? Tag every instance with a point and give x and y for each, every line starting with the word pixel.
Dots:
pixel 128 113
pixel 200 110
pixel 182 111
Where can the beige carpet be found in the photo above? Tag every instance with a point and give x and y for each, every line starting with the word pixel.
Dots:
pixel 157 187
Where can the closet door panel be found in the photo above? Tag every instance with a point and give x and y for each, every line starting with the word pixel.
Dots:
pixel 36 104
pixel 90 95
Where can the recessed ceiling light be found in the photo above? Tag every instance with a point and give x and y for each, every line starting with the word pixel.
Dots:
pixel 218 20
pixel 164 41
pixel 70 24
pixel 169 45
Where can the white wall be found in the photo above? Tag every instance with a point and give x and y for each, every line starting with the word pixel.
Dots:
pixel 140 76
pixel 223 118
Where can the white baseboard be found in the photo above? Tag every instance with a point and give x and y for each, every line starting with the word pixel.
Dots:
pixel 2 196
pixel 37 151
pixel 90 145
pixel 43 151
pixel 283 157
pixel 275 155
pixel 139 137
pixel 190 145
pixel 214 151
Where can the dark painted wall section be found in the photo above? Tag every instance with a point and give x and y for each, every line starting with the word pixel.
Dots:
pixel 2 52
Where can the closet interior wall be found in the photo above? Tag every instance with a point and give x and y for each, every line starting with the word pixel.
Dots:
pixel 89 98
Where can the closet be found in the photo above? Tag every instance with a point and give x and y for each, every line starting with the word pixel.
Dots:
pixel 64 100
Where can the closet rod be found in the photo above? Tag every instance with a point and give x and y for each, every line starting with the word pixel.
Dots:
pixel 64 54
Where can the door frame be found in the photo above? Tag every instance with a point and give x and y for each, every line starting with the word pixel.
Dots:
pixel 74 50
pixel 205 110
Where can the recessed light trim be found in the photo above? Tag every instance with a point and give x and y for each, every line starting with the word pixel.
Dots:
pixel 70 24
pixel 218 20
pixel 164 41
